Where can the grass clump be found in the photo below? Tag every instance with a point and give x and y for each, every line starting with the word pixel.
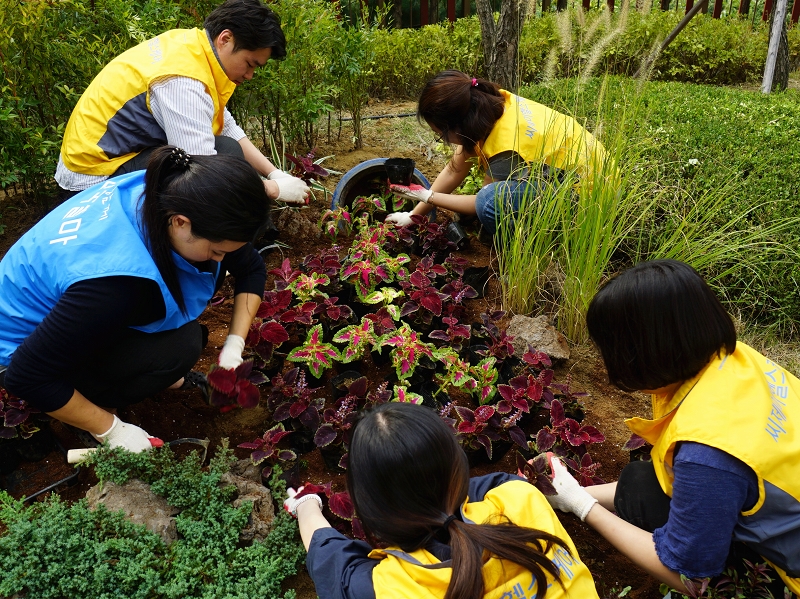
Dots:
pixel 55 550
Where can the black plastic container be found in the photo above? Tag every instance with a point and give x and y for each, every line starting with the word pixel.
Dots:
pixel 331 456
pixel 341 382
pixel 477 277
pixel 399 170
pixel 457 234
pixel 302 441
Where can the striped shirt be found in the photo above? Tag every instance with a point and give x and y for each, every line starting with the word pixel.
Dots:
pixel 184 110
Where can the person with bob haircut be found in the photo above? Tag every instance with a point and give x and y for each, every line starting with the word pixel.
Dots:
pixel 723 484
pixel 173 90
pixel 99 300
pixel 519 143
pixel 435 532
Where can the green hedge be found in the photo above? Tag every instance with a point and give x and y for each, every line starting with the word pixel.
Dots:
pixel 719 51
pixel 743 141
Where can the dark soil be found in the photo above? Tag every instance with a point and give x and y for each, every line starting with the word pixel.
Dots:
pixel 175 414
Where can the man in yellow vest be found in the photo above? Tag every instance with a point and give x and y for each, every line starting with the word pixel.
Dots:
pixel 173 89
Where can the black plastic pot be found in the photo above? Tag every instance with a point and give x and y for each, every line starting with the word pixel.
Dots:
pixel 457 234
pixel 331 457
pixel 428 392
pixel 399 170
pixel 302 441
pixel 38 445
pixel 381 359
pixel 474 356
pixel 476 457
pixel 477 277
pixel 9 459
pixel 341 382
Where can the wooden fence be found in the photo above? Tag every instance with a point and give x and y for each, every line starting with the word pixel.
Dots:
pixel 415 13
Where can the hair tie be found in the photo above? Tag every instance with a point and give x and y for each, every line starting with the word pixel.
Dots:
pixel 474 82
pixel 180 158
pixel 447 522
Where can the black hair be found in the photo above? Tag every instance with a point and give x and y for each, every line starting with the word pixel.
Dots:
pixel 658 323
pixel 254 26
pixel 222 196
pixel 464 112
pixel 407 475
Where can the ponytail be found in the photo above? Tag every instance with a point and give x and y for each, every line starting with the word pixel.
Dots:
pixel 408 476
pixel 222 196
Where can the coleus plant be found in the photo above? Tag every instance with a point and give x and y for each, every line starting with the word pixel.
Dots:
pixel 336 222
pixel 340 506
pixel 403 395
pixel 306 168
pixel 284 274
pixel 484 374
pixel 326 262
pixel 537 472
pixel 475 429
pixel 265 449
pixel 384 319
pixel 432 236
pixel 15 413
pixel 455 335
pixel 456 371
pixel 337 424
pixel 359 339
pixel 523 391
pixel 331 312
pixel 292 399
pixel 407 349
pixel 307 287
pixel 567 431
pixel 315 353
pixel 235 388
pixel 424 298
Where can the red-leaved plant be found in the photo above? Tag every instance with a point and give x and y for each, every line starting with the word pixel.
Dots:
pixel 567 431
pixel 265 449
pixel 235 388
pixel 292 399
pixel 339 505
pixel 15 413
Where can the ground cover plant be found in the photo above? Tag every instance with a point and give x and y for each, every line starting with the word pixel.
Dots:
pixel 64 550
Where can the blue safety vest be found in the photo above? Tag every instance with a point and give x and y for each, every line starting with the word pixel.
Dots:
pixel 94 234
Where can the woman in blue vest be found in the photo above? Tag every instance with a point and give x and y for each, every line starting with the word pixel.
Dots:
pixel 441 533
pixel 724 481
pixel 99 300
pixel 519 143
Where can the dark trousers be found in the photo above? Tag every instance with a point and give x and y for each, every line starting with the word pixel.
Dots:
pixel 138 365
pixel 222 144
pixel 640 500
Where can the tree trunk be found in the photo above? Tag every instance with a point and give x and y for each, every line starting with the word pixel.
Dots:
pixel 501 40
pixel 780 79
pixel 397 14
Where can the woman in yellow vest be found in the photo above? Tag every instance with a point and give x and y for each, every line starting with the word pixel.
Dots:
pixel 518 142
pixel 441 533
pixel 724 482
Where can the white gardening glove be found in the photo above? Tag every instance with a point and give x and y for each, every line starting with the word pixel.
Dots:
pixel 290 189
pixel 570 495
pixel 413 192
pixel 401 219
pixel 290 505
pixel 231 354
pixel 128 436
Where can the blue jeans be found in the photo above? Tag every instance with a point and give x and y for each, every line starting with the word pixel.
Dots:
pixel 502 200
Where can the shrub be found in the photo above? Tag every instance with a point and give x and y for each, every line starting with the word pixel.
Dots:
pixel 54 550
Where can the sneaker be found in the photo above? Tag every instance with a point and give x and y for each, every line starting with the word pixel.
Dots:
pixel 197 380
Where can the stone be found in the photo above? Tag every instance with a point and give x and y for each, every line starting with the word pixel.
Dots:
pixel 540 334
pixel 140 505
pixel 260 523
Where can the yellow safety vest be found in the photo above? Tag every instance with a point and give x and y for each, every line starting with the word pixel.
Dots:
pixel 747 406
pixel 420 574
pixel 542 135
pixel 112 122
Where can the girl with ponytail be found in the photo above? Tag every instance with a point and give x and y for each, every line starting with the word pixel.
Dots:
pixel 99 300
pixel 440 533
pixel 519 143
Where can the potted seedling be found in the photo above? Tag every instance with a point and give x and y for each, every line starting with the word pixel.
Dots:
pixel 359 338
pixel 407 350
pixel 333 435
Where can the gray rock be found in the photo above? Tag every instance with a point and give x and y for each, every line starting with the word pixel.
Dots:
pixel 260 523
pixel 540 334
pixel 140 505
